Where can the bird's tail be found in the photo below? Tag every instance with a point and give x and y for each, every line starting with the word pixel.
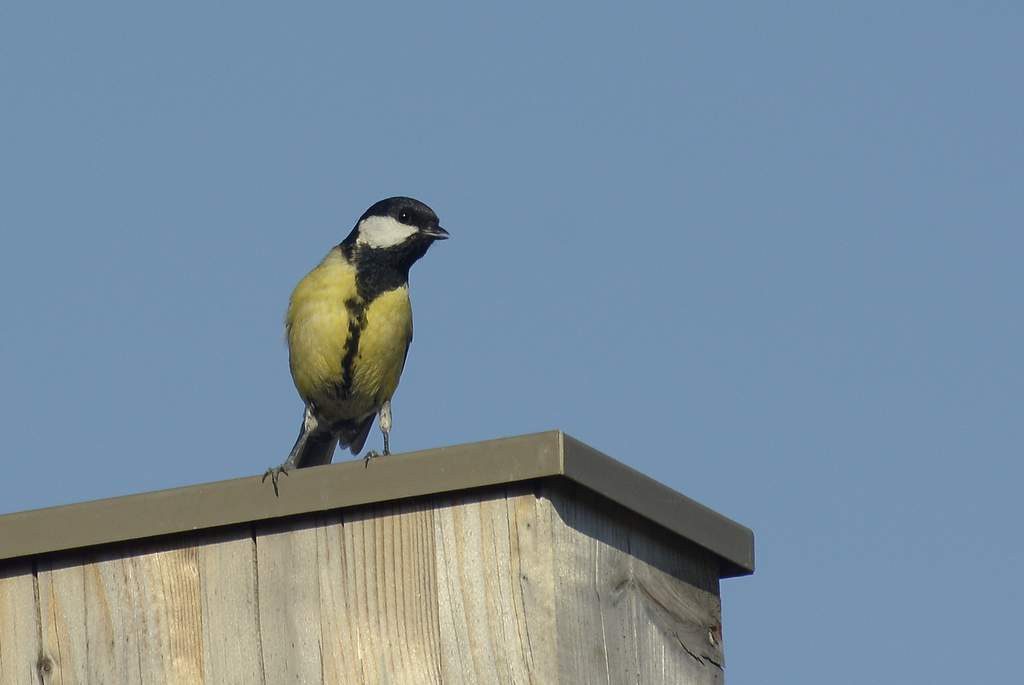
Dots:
pixel 353 435
pixel 312 448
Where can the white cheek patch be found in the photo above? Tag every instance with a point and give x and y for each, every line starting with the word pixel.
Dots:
pixel 383 231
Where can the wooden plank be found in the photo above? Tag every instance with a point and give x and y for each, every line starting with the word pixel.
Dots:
pixel 594 615
pixel 19 626
pixel 125 616
pixel 485 626
pixel 184 614
pixel 633 605
pixel 350 600
pixel 529 583
pixel 230 630
pixel 114 621
pixel 63 623
pixel 379 596
pixel 171 603
pixel 674 592
pixel 288 592
pixel 532 566
pixel 340 632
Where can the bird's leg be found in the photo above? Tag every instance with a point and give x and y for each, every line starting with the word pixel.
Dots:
pixel 309 425
pixel 384 419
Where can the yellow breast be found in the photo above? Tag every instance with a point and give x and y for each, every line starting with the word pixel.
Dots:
pixel 383 345
pixel 322 328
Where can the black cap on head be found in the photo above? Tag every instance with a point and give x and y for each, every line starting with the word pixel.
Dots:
pixel 408 211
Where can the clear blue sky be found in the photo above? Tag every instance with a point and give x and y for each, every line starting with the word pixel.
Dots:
pixel 769 255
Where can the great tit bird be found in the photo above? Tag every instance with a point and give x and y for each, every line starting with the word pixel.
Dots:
pixel 349 325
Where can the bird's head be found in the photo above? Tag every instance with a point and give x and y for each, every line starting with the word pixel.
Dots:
pixel 399 227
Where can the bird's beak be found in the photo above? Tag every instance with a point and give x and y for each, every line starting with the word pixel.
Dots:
pixel 435 232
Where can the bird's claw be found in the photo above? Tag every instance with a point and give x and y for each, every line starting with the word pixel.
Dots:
pixel 372 454
pixel 274 472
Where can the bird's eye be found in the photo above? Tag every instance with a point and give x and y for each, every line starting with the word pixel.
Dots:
pixel 404 217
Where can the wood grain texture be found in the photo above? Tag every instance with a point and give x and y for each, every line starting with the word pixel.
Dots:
pixel 62 602
pixel 159 612
pixel 19 625
pixel 594 616
pixel 633 604
pixel 530 583
pixel 230 630
pixel 130 616
pixel 674 592
pixel 379 596
pixel 532 566
pixel 485 632
pixel 351 599
pixel 288 589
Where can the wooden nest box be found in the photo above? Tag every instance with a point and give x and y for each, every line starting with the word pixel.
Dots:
pixel 532 559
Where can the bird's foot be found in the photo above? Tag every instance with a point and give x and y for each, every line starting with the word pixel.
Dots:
pixel 372 454
pixel 274 472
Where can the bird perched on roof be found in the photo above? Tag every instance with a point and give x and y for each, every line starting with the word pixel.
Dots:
pixel 349 325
